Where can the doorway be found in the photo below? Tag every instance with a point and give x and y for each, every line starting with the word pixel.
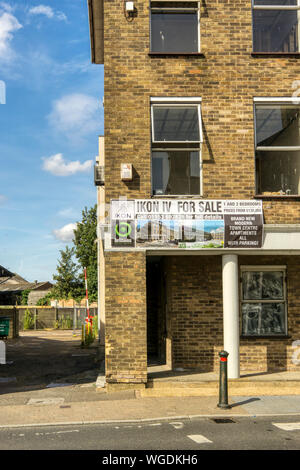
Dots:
pixel 156 310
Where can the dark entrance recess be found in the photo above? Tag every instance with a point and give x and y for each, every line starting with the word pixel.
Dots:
pixel 156 311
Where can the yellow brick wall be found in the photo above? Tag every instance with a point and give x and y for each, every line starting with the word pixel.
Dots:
pixel 227 77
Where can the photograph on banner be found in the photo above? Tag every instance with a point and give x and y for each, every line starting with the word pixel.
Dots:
pixel 186 224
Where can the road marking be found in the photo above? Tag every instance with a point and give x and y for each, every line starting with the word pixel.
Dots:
pixel 45 401
pixel 288 426
pixel 199 439
pixel 177 425
pixel 54 432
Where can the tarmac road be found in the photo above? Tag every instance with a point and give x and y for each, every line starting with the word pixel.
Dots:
pixel 239 433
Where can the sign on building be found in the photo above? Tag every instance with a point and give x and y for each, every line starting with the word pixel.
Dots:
pixel 186 223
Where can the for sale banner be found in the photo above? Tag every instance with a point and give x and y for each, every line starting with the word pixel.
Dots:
pixel 186 223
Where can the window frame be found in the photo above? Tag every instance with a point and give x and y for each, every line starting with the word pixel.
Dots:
pixel 176 102
pixel 262 268
pixel 174 9
pixel 273 7
pixel 275 101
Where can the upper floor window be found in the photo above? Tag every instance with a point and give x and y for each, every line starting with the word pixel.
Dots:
pixel 276 26
pixel 176 146
pixel 175 27
pixel 277 146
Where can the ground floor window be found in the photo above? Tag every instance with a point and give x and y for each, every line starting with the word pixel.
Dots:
pixel 263 300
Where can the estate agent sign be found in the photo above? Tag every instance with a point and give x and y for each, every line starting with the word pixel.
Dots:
pixel 186 223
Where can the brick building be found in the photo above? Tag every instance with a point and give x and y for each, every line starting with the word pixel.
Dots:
pixel 202 108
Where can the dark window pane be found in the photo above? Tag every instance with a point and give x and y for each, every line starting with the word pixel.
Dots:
pixel 176 172
pixel 174 32
pixel 263 319
pixel 275 2
pixel 278 172
pixel 277 125
pixel 176 124
pixel 262 285
pixel 275 31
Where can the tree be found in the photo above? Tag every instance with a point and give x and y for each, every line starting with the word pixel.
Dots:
pixel 68 284
pixel 85 236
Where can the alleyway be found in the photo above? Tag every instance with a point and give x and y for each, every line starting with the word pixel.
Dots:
pixel 42 357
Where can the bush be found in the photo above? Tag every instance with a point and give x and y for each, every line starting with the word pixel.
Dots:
pixel 46 299
pixel 90 333
pixel 24 296
pixel 28 320
pixel 64 323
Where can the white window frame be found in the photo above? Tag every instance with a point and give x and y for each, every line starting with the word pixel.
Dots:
pixel 184 102
pixel 274 7
pixel 277 101
pixel 175 103
pixel 173 9
pixel 258 268
pixel 274 102
pixel 277 7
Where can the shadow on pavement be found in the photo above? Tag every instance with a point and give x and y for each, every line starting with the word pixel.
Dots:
pixel 39 358
pixel 245 402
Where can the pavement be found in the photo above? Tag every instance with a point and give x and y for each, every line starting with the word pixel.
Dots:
pixel 75 392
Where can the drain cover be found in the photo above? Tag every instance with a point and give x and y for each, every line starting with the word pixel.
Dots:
pixel 223 420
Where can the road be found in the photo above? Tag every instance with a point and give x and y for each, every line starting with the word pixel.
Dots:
pixel 238 433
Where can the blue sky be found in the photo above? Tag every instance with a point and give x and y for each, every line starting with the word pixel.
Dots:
pixel 50 117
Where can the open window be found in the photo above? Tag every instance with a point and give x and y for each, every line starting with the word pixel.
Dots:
pixel 176 146
pixel 276 26
pixel 174 27
pixel 263 300
pixel 277 147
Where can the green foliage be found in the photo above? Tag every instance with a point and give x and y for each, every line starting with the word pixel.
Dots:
pixel 70 276
pixel 68 285
pixel 89 333
pixel 46 299
pixel 24 296
pixel 85 236
pixel 64 323
pixel 28 320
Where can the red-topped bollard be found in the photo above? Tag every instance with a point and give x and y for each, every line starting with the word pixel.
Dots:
pixel 223 386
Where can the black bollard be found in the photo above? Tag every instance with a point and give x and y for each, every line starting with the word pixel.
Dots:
pixel 223 387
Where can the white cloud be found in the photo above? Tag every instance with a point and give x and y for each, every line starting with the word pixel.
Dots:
pixel 8 25
pixel 66 233
pixel 76 114
pixel 6 6
pixel 2 199
pixel 56 165
pixel 47 11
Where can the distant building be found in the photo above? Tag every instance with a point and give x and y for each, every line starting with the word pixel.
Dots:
pixel 12 285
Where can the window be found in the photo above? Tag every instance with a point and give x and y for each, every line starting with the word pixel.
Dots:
pixel 174 27
pixel 176 146
pixel 277 146
pixel 276 26
pixel 263 300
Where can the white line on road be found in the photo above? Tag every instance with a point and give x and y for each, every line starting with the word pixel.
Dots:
pixel 199 438
pixel 54 432
pixel 177 425
pixel 288 426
